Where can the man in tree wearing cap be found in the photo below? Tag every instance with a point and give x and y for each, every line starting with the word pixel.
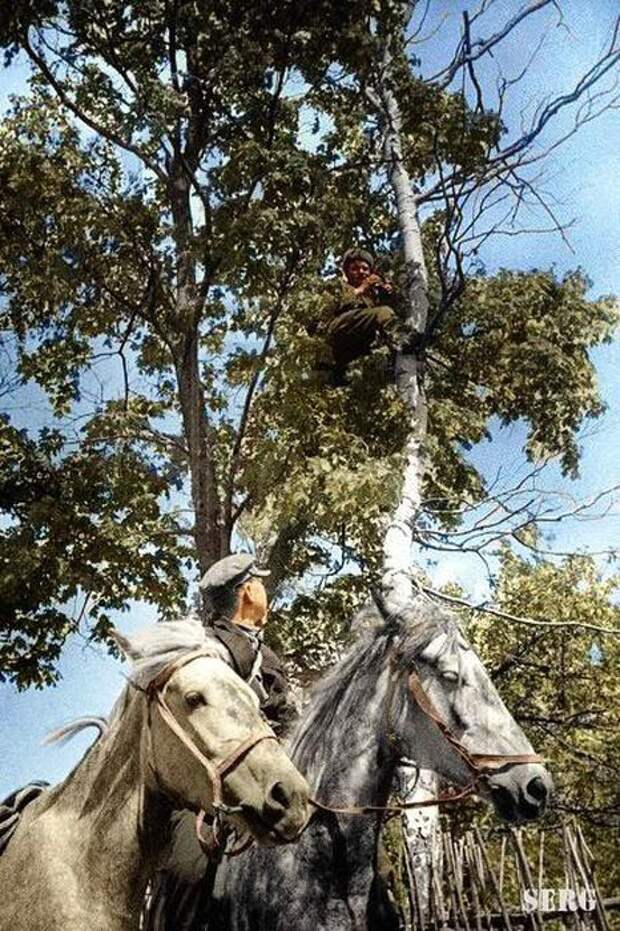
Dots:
pixel 236 608
pixel 360 313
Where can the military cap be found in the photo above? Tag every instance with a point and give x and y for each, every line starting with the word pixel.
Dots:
pixel 360 254
pixel 230 572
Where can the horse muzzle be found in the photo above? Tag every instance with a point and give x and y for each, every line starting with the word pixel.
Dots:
pixel 282 816
pixel 521 793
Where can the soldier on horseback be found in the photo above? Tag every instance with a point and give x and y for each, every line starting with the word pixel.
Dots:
pixel 237 610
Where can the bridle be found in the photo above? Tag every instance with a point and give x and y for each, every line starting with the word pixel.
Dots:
pixel 480 765
pixel 216 771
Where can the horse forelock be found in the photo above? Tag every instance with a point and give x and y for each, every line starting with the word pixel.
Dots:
pixel 155 647
pixel 415 640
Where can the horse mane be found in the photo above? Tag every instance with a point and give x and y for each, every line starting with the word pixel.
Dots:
pixel 153 648
pixel 331 697
pixel 149 651
pixel 338 695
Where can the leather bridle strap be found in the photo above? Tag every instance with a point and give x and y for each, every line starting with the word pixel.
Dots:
pixel 242 750
pixel 214 844
pixel 445 798
pixel 162 677
pixel 216 771
pixel 478 763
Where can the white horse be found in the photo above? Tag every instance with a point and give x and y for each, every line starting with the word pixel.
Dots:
pixel 186 732
pixel 411 687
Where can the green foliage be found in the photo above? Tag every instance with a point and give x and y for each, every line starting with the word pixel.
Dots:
pixel 311 631
pixel 174 187
pixel 516 347
pixel 562 685
pixel 83 529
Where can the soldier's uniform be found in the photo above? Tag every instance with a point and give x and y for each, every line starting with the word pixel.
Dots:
pixel 354 322
pixel 351 323
pixel 181 888
pixel 257 663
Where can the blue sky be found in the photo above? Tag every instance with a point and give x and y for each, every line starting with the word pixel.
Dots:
pixel 584 177
pixel 582 181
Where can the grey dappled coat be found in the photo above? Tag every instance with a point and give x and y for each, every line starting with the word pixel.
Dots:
pixel 181 888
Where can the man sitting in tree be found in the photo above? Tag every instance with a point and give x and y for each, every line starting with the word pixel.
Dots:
pixel 360 314
pixel 237 610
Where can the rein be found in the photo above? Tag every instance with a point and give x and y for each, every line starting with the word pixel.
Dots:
pixel 217 772
pixel 479 764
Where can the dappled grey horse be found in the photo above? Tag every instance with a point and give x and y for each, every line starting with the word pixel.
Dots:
pixel 411 687
pixel 186 731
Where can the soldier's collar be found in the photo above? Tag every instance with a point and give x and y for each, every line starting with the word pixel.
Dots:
pixel 256 633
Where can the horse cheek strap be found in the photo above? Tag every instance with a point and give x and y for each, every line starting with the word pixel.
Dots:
pixel 479 763
pixel 216 772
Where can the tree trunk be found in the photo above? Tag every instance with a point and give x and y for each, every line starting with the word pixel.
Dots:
pixel 280 555
pixel 211 537
pixel 421 827
pixel 421 832
pixel 398 534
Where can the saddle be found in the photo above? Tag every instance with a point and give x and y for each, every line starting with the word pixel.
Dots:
pixel 12 808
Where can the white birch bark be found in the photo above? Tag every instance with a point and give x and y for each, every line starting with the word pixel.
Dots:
pixel 398 534
pixel 421 827
pixel 421 831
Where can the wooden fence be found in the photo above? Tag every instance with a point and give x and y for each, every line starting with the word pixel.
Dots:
pixel 513 880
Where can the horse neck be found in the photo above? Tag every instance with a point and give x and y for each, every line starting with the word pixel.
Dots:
pixel 351 762
pixel 120 817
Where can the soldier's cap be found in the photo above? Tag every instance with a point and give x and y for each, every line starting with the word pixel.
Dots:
pixel 351 255
pixel 231 571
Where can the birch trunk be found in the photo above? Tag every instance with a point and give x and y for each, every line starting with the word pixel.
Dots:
pixel 421 831
pixel 398 534
pixel 421 827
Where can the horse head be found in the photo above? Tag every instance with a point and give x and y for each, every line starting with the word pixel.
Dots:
pixel 209 746
pixel 449 717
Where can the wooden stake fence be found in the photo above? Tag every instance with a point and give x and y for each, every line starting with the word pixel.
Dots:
pixel 506 882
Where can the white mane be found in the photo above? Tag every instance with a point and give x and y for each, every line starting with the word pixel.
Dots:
pixel 149 651
pixel 153 648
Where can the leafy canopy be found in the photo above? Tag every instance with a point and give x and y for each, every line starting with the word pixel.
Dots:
pixel 175 186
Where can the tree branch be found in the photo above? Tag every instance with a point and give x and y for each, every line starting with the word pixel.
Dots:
pixel 93 124
pixel 516 618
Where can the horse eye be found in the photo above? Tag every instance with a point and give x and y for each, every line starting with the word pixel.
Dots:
pixel 449 675
pixel 194 699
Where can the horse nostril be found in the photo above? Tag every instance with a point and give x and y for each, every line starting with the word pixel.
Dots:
pixel 537 789
pixel 277 797
pixel 503 801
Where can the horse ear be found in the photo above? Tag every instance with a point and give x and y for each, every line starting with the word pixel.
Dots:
pixel 392 611
pixel 121 642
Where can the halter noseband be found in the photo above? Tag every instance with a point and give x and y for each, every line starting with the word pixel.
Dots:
pixel 217 772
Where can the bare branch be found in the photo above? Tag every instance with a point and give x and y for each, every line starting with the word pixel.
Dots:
pixel 468 52
pixel 486 608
